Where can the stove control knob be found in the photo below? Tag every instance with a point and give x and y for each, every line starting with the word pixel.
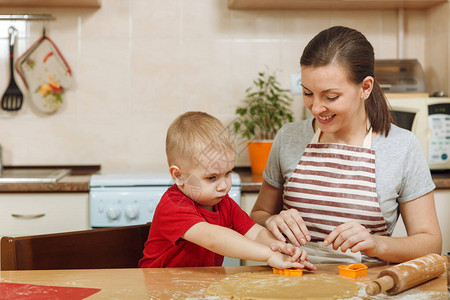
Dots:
pixel 113 213
pixel 132 212
pixel 151 208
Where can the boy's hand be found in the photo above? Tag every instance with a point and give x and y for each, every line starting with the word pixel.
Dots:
pixel 294 254
pixel 282 261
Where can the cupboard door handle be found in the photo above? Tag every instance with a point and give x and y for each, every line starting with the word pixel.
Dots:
pixel 28 217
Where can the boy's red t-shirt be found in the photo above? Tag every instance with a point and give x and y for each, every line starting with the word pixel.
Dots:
pixel 174 215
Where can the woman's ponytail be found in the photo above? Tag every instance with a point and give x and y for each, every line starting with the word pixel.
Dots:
pixel 378 111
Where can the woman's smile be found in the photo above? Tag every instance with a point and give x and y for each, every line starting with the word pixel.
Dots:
pixel 325 119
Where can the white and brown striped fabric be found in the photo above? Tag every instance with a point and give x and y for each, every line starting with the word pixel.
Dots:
pixel 333 184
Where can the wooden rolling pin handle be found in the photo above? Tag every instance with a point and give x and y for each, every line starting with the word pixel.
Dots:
pixel 380 285
pixel 406 275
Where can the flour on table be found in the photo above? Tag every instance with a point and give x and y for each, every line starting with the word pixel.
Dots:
pixel 266 285
pixel 411 294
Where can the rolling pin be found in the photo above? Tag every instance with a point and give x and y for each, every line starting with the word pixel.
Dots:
pixel 406 275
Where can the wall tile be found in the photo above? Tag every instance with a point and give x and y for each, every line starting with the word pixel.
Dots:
pixel 437 47
pixel 248 59
pixel 437 70
pixel 206 77
pixel 103 81
pixel 205 19
pixel 255 24
pixel 387 46
pixel 137 64
pixel 437 21
pixel 156 19
pixel 303 25
pixel 155 77
pixel 111 21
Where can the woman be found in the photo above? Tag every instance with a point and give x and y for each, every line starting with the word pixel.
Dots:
pixel 336 183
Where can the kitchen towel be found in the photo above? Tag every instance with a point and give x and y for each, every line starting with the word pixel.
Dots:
pixel 45 73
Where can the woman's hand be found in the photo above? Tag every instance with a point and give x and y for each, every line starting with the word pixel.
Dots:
pixel 351 235
pixel 289 223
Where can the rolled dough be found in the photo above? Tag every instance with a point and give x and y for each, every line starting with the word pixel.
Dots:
pixel 266 285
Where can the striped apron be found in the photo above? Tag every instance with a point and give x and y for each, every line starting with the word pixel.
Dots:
pixel 331 185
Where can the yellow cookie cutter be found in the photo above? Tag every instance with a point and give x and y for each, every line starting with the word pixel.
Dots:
pixel 288 272
pixel 353 270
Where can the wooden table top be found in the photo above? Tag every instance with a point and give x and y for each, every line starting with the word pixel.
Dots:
pixel 182 283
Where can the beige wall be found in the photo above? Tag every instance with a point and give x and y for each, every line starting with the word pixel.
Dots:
pixel 437 48
pixel 137 64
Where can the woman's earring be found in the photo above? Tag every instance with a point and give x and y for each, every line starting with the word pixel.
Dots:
pixel 366 95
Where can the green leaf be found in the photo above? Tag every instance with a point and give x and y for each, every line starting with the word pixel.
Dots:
pixel 265 109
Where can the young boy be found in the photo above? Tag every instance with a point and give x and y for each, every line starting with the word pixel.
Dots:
pixel 196 223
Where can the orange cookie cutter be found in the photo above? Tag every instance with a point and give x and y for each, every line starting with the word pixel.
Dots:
pixel 288 272
pixel 353 270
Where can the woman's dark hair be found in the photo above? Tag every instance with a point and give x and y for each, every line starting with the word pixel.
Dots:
pixel 350 48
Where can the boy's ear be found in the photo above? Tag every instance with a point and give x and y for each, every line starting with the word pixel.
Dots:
pixel 176 174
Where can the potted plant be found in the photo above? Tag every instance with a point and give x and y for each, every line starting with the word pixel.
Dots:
pixel 266 108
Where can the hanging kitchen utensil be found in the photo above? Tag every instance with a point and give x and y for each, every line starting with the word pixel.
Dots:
pixel 45 73
pixel 12 98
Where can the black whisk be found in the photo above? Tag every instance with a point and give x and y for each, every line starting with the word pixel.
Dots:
pixel 12 98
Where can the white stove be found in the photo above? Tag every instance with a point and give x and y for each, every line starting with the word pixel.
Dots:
pixel 125 199
pixel 131 199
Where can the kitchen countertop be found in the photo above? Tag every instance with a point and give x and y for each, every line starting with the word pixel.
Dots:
pixel 184 283
pixel 252 183
pixel 78 181
pixel 69 183
pixel 441 180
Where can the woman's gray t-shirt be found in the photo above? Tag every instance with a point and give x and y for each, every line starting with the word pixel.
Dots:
pixel 401 169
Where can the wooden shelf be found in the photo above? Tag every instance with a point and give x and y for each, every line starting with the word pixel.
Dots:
pixel 406 95
pixel 332 4
pixel 51 3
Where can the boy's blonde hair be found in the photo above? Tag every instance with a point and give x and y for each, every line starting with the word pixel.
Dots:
pixel 194 133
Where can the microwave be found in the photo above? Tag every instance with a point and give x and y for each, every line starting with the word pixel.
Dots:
pixel 429 120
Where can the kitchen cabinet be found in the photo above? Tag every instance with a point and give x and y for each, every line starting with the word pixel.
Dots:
pixel 442 202
pixel 42 213
pixel 247 202
pixel 332 4
pixel 51 3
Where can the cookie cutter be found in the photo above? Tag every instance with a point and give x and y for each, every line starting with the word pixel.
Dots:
pixel 288 272
pixel 353 270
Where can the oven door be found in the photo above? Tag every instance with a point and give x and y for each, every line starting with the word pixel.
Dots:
pixel 123 206
pixel 412 114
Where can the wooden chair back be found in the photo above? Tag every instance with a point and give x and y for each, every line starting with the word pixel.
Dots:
pixel 115 247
